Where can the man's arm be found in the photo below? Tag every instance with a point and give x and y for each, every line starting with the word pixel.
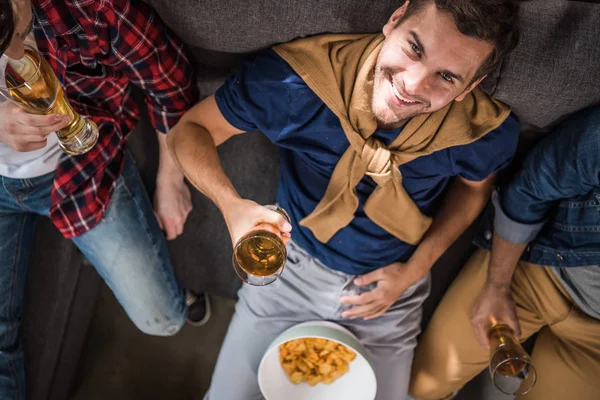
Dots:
pixel 172 197
pixel 495 303
pixel 139 45
pixel 463 203
pixel 193 143
pixel 563 165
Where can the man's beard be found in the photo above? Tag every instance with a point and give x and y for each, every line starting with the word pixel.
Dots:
pixel 388 117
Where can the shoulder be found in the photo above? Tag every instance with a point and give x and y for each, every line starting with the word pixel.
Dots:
pixel 267 66
pixel 502 140
pixel 489 154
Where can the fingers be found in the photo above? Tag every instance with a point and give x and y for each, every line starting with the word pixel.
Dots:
pixel 41 121
pixel 361 299
pixel 159 220
pixel 369 278
pixel 274 218
pixel 480 329
pixel 513 323
pixel 285 237
pixel 364 311
pixel 172 227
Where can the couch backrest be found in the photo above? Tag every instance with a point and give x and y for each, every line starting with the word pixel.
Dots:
pixel 244 26
pixel 553 72
pixel 555 69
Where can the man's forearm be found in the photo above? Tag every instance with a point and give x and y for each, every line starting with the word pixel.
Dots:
pixel 167 167
pixel 461 207
pixel 503 261
pixel 196 154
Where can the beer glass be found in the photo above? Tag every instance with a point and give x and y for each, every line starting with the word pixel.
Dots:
pixel 510 366
pixel 31 84
pixel 259 255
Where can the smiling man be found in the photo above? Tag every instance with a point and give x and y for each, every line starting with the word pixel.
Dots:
pixel 388 152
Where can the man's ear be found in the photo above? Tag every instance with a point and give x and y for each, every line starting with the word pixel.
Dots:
pixel 391 24
pixel 470 88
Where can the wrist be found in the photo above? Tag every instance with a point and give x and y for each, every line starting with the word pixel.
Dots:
pixel 169 173
pixel 497 285
pixel 417 270
pixel 228 204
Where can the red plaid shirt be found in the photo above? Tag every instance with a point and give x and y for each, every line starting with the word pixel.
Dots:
pixel 97 49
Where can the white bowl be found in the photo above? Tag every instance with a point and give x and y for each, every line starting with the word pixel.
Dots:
pixel 359 383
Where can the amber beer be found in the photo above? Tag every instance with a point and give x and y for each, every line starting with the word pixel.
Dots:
pixel 31 83
pixel 259 256
pixel 510 365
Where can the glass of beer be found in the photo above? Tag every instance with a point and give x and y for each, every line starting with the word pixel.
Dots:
pixel 259 256
pixel 510 366
pixel 30 83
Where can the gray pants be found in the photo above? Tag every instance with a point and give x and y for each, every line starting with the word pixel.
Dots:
pixel 307 291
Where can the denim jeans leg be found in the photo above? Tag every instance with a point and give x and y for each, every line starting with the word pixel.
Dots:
pixel 16 233
pixel 129 251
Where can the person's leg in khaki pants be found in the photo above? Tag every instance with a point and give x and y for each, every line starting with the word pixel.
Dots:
pixel 448 354
pixel 567 359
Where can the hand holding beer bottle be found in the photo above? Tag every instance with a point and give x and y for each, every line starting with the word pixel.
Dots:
pixel 23 131
pixel 496 326
pixel 31 84
pixel 259 234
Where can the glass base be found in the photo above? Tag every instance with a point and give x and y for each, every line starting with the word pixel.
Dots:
pixel 81 142
pixel 255 280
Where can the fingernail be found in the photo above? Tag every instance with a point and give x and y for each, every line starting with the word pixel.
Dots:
pixel 358 281
pixel 287 226
pixel 57 117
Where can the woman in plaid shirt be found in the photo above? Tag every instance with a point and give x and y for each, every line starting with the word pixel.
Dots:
pixel 97 49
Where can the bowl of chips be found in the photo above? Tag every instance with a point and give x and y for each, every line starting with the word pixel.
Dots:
pixel 317 360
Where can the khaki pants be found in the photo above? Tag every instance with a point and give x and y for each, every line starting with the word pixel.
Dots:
pixel 566 353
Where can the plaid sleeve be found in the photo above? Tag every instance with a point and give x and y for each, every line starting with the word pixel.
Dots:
pixel 153 58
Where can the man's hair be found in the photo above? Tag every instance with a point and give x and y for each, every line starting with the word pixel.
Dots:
pixel 493 21
pixel 7 24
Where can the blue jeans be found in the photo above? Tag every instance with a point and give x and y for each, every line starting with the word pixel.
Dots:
pixel 127 248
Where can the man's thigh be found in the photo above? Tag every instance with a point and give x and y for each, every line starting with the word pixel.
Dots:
pixel 391 340
pixel 566 356
pixel 129 251
pixel 305 291
pixel 448 354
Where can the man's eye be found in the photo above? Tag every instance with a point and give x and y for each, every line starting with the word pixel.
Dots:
pixel 415 48
pixel 446 77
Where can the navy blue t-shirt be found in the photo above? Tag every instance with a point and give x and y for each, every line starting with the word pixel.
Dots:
pixel 266 95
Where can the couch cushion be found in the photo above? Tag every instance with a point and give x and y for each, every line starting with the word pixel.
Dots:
pixel 244 26
pixel 555 69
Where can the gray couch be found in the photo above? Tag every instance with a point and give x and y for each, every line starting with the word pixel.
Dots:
pixel 554 72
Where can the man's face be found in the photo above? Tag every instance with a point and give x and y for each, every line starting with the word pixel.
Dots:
pixel 23 21
pixel 424 64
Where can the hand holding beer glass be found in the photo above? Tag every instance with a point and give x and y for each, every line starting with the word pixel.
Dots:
pixel 259 255
pixel 510 366
pixel 31 84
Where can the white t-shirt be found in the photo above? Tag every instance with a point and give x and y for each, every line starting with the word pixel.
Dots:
pixel 22 165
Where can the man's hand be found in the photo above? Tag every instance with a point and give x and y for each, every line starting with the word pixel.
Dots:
pixel 243 216
pixel 27 132
pixel 391 281
pixel 494 305
pixel 172 204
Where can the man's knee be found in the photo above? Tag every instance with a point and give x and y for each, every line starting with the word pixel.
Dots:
pixel 432 382
pixel 423 386
pixel 161 325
